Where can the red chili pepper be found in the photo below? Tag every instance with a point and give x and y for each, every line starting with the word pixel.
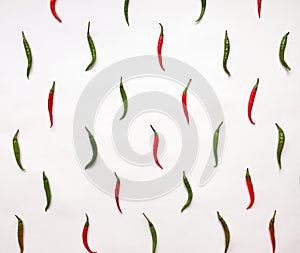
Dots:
pixel 272 231
pixel 117 192
pixel 251 101
pixel 159 46
pixel 85 235
pixel 184 105
pixel 50 103
pixel 155 147
pixel 52 7
pixel 259 7
pixel 250 189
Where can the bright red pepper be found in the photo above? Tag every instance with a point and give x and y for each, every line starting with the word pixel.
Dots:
pixel 259 7
pixel 85 235
pixel 250 189
pixel 272 232
pixel 155 147
pixel 50 103
pixel 184 105
pixel 52 7
pixel 251 101
pixel 117 192
pixel 159 46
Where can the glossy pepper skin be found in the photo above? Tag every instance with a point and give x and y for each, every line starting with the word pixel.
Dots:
pixel 272 232
pixel 153 234
pixel 202 11
pixel 226 53
pixel 20 233
pixel 47 191
pixel 159 46
pixel 216 143
pixel 53 10
pixel 251 101
pixel 117 192
pixel 50 103
pixel 126 5
pixel 189 190
pixel 92 48
pixel 85 234
pixel 155 147
pixel 281 141
pixel 94 149
pixel 124 99
pixel 226 231
pixel 282 50
pixel 184 104
pixel 28 54
pixel 16 148
pixel 250 189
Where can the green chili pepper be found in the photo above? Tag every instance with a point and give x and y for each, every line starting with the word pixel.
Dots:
pixel 189 190
pixel 226 231
pixel 94 148
pixel 216 142
pixel 202 11
pixel 124 98
pixel 17 150
pixel 153 234
pixel 28 54
pixel 92 48
pixel 20 233
pixel 126 4
pixel 281 140
pixel 47 191
pixel 281 52
pixel 226 53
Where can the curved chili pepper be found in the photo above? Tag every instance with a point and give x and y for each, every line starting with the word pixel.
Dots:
pixel 259 7
pixel 202 11
pixel 52 7
pixel 47 191
pixel 189 190
pixel 250 189
pixel 159 46
pixel 17 150
pixel 216 142
pixel 92 48
pixel 50 104
pixel 272 232
pixel 155 147
pixel 117 192
pixel 251 101
pixel 226 53
pixel 20 234
pixel 85 234
pixel 184 105
pixel 153 234
pixel 226 231
pixel 28 54
pixel 281 140
pixel 94 149
pixel 126 4
pixel 282 50
pixel 124 99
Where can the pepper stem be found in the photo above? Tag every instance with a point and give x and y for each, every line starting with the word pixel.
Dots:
pixel 87 223
pixel 16 135
pixel 53 87
pixel 161 30
pixel 88 31
pixel 186 88
pixel 118 179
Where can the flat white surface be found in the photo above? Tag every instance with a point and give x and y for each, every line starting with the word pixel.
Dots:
pixel 61 53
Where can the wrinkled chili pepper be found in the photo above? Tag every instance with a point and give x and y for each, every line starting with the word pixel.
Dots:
pixel 272 232
pixel 47 191
pixel 126 4
pixel 251 101
pixel 153 234
pixel 52 7
pixel 189 190
pixel 94 149
pixel 117 192
pixel 282 50
pixel 250 189
pixel 92 48
pixel 226 231
pixel 259 7
pixel 184 105
pixel 215 143
pixel 202 11
pixel 17 150
pixel 124 99
pixel 50 104
pixel 28 54
pixel 281 140
pixel 226 53
pixel 155 147
pixel 85 235
pixel 20 234
pixel 159 46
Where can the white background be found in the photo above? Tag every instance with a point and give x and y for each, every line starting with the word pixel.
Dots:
pixel 61 53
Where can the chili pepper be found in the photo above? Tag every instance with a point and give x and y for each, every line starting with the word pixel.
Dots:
pixel 272 231
pixel 226 231
pixel 202 11
pixel 251 101
pixel 259 7
pixel 85 234
pixel 155 147
pixel 184 105
pixel 20 233
pixel 47 191
pixel 117 192
pixel 281 140
pixel 126 4
pixel 17 150
pixel 226 53
pixel 282 50
pixel 153 234
pixel 124 98
pixel 94 149
pixel 52 7
pixel 216 142
pixel 28 54
pixel 50 104
pixel 250 189
pixel 92 48
pixel 159 46
pixel 189 190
